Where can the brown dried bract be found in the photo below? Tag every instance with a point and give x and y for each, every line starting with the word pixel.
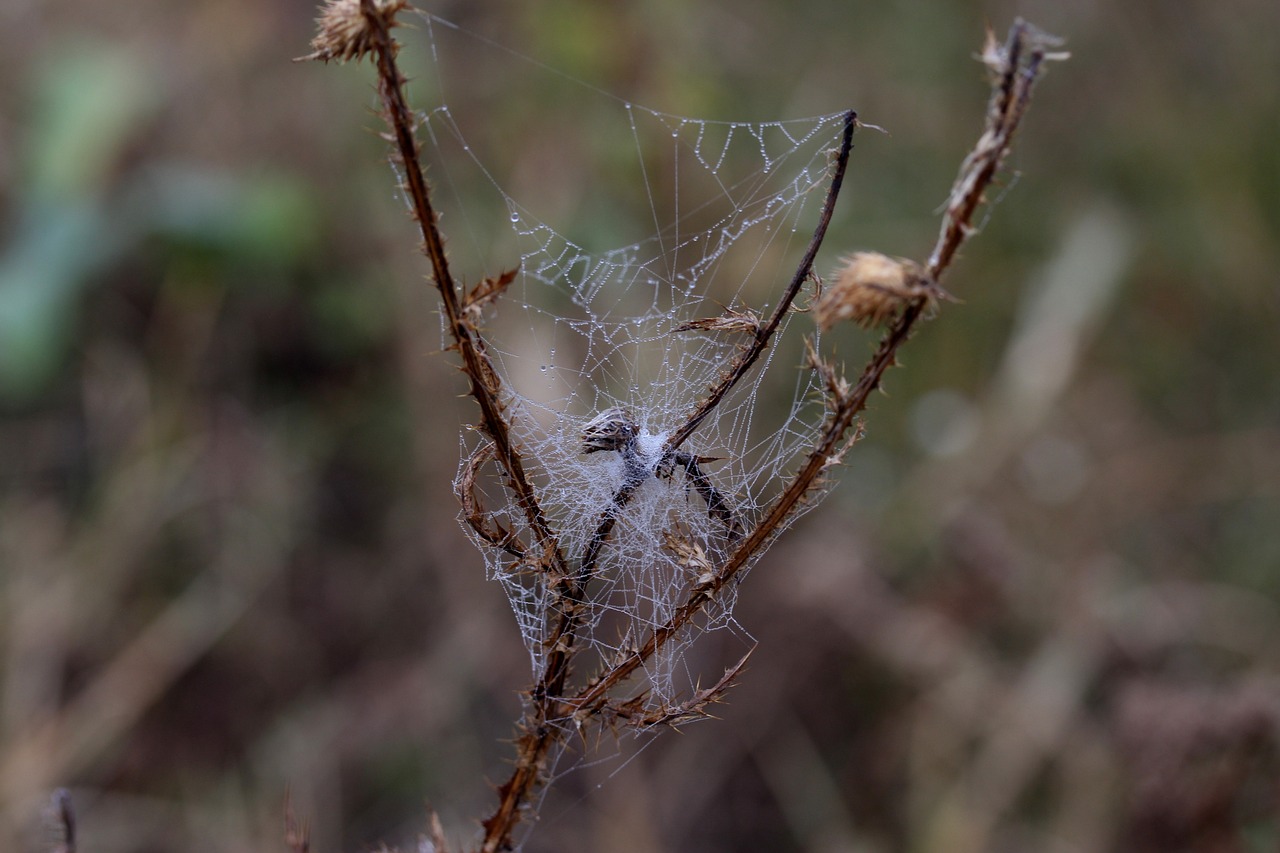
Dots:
pixel 474 513
pixel 729 321
pixel 833 381
pixel 870 288
pixel 344 32
pixel 484 293
pixel 692 557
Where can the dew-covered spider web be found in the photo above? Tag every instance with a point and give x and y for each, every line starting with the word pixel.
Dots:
pixel 626 227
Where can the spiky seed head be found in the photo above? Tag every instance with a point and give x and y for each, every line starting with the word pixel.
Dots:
pixel 343 31
pixel 869 288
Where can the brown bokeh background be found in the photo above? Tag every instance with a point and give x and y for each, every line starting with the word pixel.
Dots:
pixel 1040 612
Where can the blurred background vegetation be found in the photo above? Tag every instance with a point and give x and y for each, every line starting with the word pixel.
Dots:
pixel 1040 612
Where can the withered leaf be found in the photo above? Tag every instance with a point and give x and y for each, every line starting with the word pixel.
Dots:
pixel 731 321
pixel 487 291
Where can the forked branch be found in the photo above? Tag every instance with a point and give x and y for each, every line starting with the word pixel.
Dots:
pixel 355 28
pixel 761 335
pixel 764 333
pixel 1015 67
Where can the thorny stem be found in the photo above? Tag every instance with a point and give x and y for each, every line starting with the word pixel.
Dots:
pixel 717 506
pixel 536 735
pixel 483 379
pixel 1011 94
pixel 745 360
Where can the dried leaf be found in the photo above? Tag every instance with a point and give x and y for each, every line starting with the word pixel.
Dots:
pixel 692 557
pixel 731 321
pixel 486 292
pixel 474 513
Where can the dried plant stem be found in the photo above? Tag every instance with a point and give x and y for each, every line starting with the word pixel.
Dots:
pixel 354 28
pixel 747 358
pixel 297 837
pixel 485 386
pixel 1015 67
pixel 536 737
pixel 63 819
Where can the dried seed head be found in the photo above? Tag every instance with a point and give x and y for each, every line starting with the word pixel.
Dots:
pixel 869 289
pixel 612 429
pixel 344 32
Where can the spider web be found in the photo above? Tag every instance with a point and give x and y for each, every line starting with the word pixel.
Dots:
pixel 726 211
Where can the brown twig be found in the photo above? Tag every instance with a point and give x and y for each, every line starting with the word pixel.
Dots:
pixel 762 335
pixel 1015 66
pixel 483 380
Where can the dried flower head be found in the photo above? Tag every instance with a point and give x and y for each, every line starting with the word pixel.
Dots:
pixel 869 289
pixel 344 32
pixel 612 429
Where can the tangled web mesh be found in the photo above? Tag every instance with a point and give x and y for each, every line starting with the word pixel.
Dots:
pixel 586 334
